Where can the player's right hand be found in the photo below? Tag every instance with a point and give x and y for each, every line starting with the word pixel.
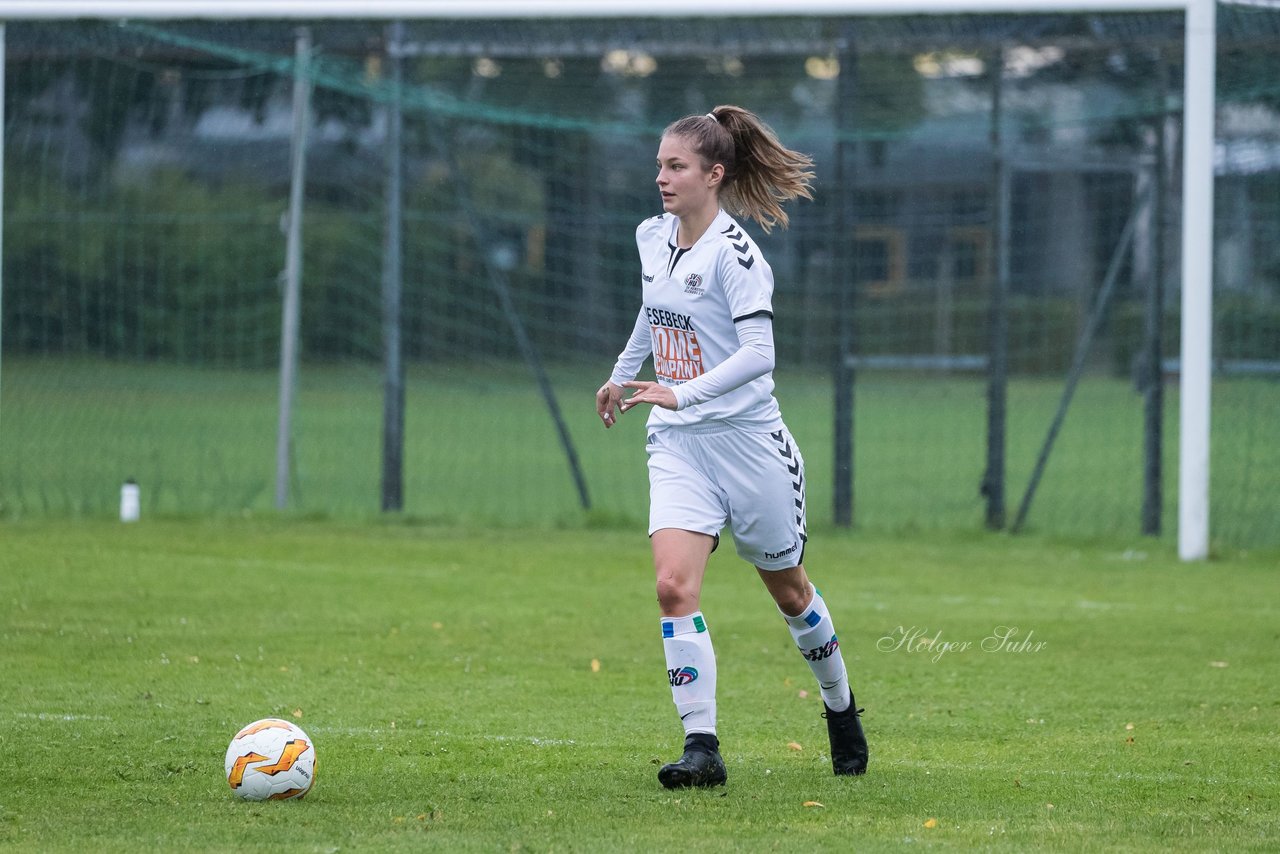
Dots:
pixel 607 400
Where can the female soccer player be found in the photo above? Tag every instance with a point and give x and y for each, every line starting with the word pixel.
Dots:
pixel 719 452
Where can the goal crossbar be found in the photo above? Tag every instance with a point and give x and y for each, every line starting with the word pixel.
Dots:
pixel 420 9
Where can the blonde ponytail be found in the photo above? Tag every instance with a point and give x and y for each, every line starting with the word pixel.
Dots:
pixel 760 173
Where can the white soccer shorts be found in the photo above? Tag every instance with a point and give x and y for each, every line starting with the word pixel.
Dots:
pixel 702 479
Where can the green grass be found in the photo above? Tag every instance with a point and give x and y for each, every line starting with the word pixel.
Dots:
pixel 480 448
pixel 446 677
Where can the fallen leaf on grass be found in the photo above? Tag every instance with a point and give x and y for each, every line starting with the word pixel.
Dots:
pixel 1217 664
pixel 931 823
pixel 297 713
pixel 794 745
pixel 803 694
pixel 595 665
pixel 815 804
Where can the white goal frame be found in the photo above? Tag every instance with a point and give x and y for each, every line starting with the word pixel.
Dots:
pixel 1198 131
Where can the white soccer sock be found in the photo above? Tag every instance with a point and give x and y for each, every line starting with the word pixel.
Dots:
pixel 691 670
pixel 815 635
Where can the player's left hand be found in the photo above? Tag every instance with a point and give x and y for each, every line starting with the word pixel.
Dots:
pixel 649 392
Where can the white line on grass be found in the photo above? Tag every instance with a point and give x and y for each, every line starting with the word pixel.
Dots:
pixel 56 716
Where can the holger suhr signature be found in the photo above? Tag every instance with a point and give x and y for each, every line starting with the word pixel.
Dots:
pixel 1009 639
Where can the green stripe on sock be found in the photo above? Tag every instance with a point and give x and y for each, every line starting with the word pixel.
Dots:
pixel 698 623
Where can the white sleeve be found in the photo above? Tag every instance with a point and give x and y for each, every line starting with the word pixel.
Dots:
pixel 753 358
pixel 639 347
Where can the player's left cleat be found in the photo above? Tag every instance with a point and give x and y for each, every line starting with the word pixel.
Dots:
pixel 700 766
pixel 848 742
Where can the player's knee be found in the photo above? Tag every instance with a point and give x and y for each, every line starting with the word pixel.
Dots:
pixel 677 596
pixel 791 601
pixel 790 590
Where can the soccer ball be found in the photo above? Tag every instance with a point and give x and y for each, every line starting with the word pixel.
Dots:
pixel 271 759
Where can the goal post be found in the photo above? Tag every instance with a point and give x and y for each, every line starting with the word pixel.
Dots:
pixel 1197 281
pixel 1197 165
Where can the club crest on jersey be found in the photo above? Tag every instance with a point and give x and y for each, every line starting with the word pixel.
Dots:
pixel 693 284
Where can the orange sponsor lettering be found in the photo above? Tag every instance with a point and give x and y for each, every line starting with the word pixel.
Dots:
pixel 677 355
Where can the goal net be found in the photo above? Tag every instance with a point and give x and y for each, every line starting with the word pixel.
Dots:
pixel 147 194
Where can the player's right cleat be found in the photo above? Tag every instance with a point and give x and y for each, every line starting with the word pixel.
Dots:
pixel 701 764
pixel 848 742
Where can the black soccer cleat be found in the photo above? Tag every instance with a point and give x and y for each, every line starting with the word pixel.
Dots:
pixel 700 766
pixel 848 742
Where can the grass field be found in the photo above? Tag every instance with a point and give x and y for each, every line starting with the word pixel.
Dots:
pixel 479 690
pixel 480 448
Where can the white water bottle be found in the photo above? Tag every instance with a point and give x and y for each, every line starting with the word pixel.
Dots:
pixel 130 501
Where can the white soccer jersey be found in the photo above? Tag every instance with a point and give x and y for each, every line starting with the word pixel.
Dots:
pixel 692 300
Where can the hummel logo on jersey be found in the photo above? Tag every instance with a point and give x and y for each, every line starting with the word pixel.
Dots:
pixel 646 277
pixel 738 240
pixel 827 650
pixel 682 675
pixel 693 285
